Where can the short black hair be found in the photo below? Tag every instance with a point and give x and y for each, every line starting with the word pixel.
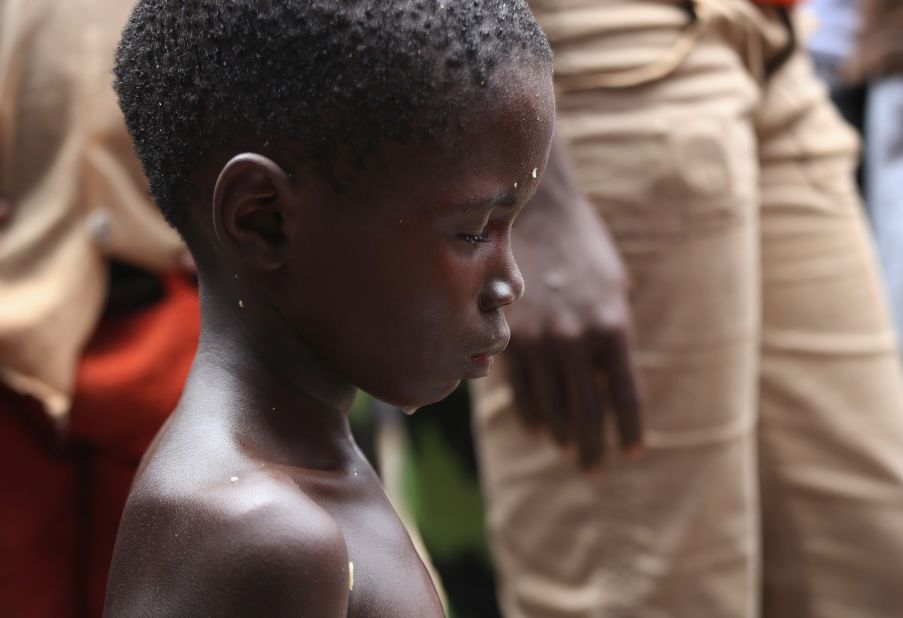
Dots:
pixel 331 75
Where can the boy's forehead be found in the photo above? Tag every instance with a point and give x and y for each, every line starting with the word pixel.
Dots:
pixel 496 140
pixel 520 107
pixel 484 165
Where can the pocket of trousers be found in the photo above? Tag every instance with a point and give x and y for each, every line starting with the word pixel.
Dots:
pixel 669 178
pixel 656 150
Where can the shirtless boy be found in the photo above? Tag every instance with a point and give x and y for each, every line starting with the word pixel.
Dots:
pixel 346 174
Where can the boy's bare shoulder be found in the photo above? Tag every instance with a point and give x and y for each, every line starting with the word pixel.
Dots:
pixel 279 547
pixel 230 549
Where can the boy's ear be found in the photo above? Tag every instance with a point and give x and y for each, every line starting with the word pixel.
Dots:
pixel 255 211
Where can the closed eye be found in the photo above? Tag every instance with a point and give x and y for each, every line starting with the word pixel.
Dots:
pixel 475 239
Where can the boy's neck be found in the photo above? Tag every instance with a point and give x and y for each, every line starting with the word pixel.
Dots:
pixel 281 402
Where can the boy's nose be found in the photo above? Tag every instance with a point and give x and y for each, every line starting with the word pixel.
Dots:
pixel 502 291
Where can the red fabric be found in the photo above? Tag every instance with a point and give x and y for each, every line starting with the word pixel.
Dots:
pixel 62 499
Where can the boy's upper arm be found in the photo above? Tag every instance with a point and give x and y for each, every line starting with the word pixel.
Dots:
pixel 276 561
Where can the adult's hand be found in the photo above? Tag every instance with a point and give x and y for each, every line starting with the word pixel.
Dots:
pixel 570 356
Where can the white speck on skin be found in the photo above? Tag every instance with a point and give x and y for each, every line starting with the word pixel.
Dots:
pixel 233 479
pixel 534 172
pixel 241 304
pixel 350 576
pixel 515 185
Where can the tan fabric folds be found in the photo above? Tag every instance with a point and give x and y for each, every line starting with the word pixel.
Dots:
pixel 78 194
pixel 773 484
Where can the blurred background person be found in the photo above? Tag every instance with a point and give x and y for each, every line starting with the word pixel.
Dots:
pixel 772 482
pixel 831 45
pixel 98 314
pixel 857 47
pixel 878 63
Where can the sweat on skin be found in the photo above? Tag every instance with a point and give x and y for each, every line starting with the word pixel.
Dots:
pixel 376 265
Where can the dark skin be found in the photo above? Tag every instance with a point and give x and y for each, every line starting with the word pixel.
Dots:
pixel 570 359
pixel 6 211
pixel 254 498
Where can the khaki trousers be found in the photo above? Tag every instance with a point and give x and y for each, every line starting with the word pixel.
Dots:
pixel 773 482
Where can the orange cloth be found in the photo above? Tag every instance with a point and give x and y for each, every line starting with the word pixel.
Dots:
pixel 62 499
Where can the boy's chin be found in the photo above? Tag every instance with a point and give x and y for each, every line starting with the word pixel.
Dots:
pixel 412 403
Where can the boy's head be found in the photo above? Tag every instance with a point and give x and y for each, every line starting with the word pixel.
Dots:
pixel 353 164
pixel 337 77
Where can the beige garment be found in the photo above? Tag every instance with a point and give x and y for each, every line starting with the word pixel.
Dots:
pixel 773 484
pixel 78 194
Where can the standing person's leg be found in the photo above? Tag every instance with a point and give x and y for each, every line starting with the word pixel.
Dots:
pixel 671 167
pixel 831 408
pixel 884 182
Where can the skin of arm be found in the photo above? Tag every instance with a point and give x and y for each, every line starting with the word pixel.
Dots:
pixel 250 560
pixel 278 573
pixel 571 354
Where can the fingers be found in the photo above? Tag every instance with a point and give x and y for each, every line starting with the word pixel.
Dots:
pixel 591 439
pixel 566 385
pixel 616 360
pixel 525 400
pixel 581 403
pixel 535 377
pixel 554 408
pixel 545 378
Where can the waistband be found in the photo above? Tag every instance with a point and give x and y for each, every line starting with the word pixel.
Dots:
pixel 691 19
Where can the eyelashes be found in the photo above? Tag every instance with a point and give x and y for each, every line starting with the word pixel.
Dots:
pixel 475 239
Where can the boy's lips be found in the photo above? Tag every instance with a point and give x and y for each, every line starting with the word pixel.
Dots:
pixel 489 353
pixel 497 345
pixel 481 362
